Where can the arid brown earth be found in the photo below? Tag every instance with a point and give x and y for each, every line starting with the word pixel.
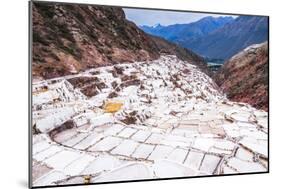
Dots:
pixel 244 78
pixel 71 38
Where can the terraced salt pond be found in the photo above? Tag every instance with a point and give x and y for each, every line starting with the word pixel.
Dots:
pixel 171 121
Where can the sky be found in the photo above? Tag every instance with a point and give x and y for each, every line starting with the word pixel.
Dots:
pixel 153 17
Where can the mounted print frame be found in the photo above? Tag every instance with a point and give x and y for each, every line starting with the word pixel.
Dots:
pixel 126 94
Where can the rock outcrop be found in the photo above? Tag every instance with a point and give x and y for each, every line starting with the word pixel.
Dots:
pixel 244 77
pixel 71 38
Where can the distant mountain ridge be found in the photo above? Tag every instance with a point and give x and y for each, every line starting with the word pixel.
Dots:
pixel 231 38
pixel 215 38
pixel 178 33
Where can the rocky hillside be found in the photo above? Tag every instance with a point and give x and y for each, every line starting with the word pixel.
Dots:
pixel 245 76
pixel 71 38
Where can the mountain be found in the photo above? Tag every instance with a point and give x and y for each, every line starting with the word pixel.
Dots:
pixel 180 33
pixel 231 38
pixel 71 38
pixel 244 77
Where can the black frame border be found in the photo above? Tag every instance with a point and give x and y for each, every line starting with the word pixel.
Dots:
pixel 30 45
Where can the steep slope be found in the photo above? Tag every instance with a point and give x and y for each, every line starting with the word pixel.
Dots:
pixel 231 38
pixel 70 38
pixel 245 76
pixel 182 33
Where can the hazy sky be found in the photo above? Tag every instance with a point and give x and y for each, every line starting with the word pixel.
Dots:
pixel 153 17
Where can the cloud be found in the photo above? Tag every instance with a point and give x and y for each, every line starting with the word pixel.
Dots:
pixel 153 17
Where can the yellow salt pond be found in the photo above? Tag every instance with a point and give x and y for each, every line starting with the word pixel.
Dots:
pixel 112 107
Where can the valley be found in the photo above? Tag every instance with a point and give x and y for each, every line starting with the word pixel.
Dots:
pixel 111 102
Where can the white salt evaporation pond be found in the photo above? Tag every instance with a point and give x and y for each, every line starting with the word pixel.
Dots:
pixel 171 121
